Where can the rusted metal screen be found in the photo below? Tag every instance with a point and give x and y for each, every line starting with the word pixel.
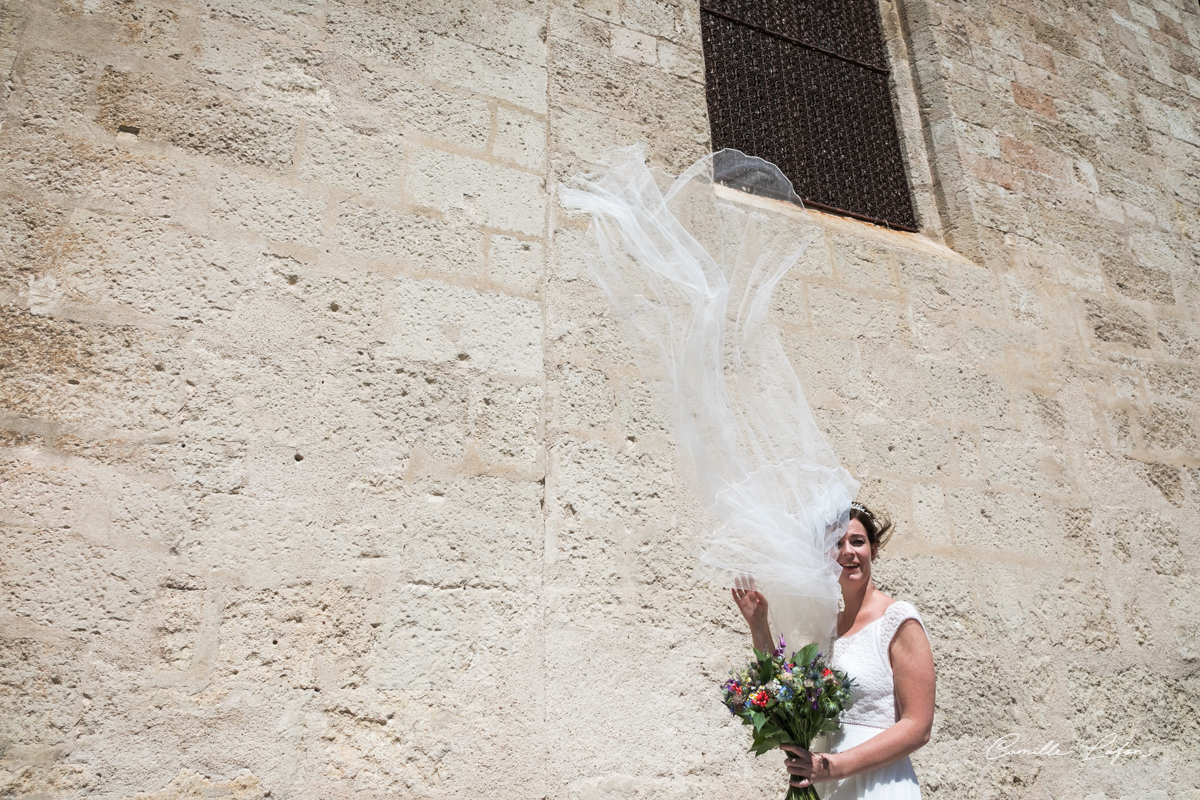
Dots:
pixel 804 84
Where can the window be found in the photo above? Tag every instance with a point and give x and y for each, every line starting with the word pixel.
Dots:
pixel 804 84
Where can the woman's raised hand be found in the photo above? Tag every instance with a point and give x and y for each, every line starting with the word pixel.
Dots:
pixel 752 604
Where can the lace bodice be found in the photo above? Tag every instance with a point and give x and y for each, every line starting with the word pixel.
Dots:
pixel 864 657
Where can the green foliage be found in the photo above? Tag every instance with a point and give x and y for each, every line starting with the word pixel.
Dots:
pixel 788 701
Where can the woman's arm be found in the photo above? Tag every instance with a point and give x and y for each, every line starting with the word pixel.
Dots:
pixel 913 678
pixel 753 606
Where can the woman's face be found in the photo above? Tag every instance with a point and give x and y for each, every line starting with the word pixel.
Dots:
pixel 855 556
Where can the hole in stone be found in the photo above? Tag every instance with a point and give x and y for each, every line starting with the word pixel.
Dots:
pixel 293 280
pixel 159 368
pixel 274 641
pixel 463 356
pixel 334 306
pixel 72 381
pixel 299 457
pixel 135 130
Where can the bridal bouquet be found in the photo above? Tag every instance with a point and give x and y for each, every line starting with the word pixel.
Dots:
pixel 788 701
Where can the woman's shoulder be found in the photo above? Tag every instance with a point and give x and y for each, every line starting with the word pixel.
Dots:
pixel 897 613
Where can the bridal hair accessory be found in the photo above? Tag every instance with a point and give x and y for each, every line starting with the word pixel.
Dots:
pixel 689 266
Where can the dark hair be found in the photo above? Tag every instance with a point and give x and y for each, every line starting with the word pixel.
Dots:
pixel 879 529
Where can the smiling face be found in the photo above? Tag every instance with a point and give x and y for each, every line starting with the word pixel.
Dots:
pixel 855 554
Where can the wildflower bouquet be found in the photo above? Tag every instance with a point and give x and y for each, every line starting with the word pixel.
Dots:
pixel 788 701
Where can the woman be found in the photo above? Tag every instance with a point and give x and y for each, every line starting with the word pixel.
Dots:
pixel 881 644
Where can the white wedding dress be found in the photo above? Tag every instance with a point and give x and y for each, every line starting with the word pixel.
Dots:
pixel 864 657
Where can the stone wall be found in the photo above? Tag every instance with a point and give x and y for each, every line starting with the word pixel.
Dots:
pixel 326 473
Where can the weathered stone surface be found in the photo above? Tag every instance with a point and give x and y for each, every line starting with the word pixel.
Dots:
pixel 325 470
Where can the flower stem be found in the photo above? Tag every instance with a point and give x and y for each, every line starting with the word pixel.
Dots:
pixel 807 793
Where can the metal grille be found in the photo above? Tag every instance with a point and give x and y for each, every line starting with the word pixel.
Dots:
pixel 804 84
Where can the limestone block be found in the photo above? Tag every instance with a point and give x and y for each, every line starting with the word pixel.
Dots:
pixel 341 157
pixel 398 407
pixel 48 702
pixel 482 531
pixel 684 62
pixel 905 449
pixel 626 90
pixel 70 372
pixel 1014 460
pixel 1005 593
pixel 1178 380
pixel 453 637
pixel 947 285
pixel 51 89
pixel 1023 302
pixel 1116 323
pixel 179 612
pixel 300 636
pixel 125 178
pixel 586 135
pixel 387 40
pixel 930 516
pixel 1154 713
pixel 1180 337
pixel 1169 427
pixel 960 390
pixel 1006 521
pixel 479 191
pixel 493 332
pixel 940 589
pixel 568 254
pixel 1183 613
pixel 151 736
pixel 299 20
pixel 642 416
pixel 864 264
pixel 855 315
pixel 520 138
pixel 601 483
pixel 633 46
pixel 46 571
pixel 607 10
pixel 30 234
pixel 508 426
pixel 581 399
pixel 1073 611
pixel 156 268
pixel 660 19
pixel 968 706
pixel 412 241
pixel 273 71
pixel 1040 414
pixel 515 265
pixel 827 365
pixel 392 103
pixel 488 72
pixel 1156 250
pixel 269 209
pixel 194 118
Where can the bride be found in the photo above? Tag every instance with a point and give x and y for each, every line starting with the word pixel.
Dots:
pixel 689 265
pixel 881 644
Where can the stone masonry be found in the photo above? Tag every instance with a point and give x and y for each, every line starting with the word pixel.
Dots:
pixel 325 473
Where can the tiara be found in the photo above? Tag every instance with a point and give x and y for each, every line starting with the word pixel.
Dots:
pixel 860 508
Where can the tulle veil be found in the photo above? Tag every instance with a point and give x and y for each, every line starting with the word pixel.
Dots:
pixel 691 275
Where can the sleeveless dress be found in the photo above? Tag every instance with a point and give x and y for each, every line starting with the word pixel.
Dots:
pixel 864 657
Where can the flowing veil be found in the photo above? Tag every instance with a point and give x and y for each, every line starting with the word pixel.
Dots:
pixel 691 275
